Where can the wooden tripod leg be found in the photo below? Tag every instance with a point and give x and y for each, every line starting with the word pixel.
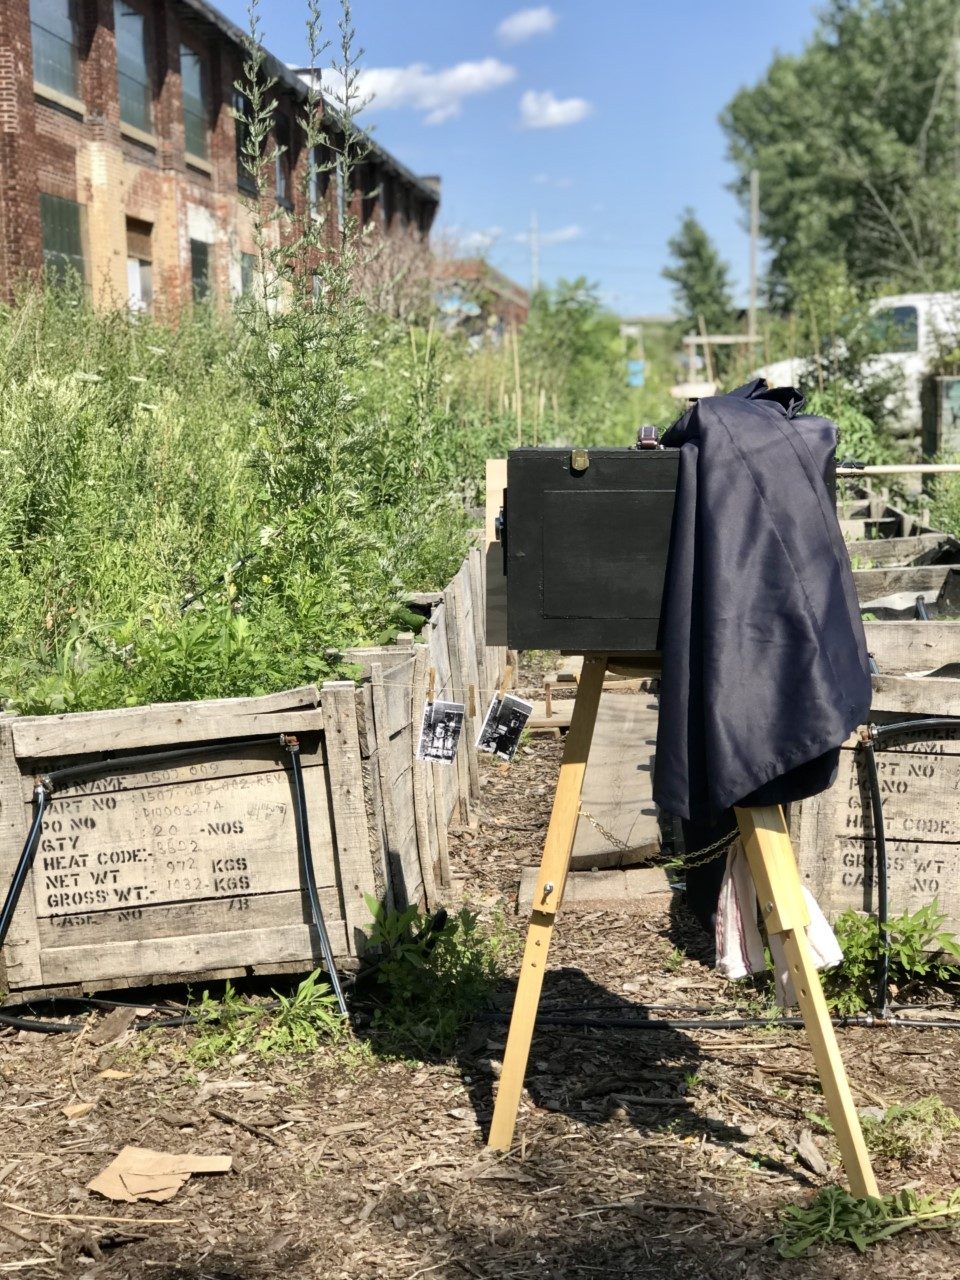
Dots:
pixel 773 866
pixel 546 899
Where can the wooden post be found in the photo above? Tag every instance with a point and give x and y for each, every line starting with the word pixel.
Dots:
pixel 782 906
pixel 546 898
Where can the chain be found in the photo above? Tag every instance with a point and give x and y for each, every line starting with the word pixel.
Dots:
pixel 698 857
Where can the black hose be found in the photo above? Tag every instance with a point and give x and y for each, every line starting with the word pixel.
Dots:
pixel 866 747
pixel 306 861
pixel 22 869
pixel 125 764
pixel 928 727
pixel 727 1024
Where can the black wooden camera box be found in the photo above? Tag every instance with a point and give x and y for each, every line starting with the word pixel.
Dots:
pixel 585 534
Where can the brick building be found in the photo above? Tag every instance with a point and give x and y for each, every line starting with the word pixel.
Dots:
pixel 119 154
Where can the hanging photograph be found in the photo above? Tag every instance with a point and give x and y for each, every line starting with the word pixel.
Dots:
pixel 504 723
pixel 440 731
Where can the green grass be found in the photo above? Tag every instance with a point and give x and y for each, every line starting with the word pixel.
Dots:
pixel 302 494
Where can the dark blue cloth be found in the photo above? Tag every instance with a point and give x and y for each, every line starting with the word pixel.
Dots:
pixel 765 669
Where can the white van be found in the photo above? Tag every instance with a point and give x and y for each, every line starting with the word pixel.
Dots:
pixel 911 329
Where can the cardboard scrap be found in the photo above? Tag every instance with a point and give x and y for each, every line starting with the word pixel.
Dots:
pixel 112 1074
pixel 77 1109
pixel 140 1174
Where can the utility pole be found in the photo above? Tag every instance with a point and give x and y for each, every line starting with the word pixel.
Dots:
pixel 534 252
pixel 754 237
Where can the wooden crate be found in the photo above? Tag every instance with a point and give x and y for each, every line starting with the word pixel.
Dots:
pixel 190 868
pixel 920 785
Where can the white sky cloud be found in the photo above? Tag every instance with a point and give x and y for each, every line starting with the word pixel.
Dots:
pixel 437 95
pixel 545 180
pixel 560 235
pixel 479 241
pixel 525 23
pixel 546 111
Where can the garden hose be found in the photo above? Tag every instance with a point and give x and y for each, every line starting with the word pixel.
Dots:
pixel 25 862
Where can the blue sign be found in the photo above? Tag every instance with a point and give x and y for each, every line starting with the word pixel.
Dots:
pixel 636 370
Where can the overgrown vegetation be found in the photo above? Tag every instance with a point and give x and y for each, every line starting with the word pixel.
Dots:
pixel 922 953
pixel 433 976
pixel 911 1131
pixel 298 1023
pixel 836 1217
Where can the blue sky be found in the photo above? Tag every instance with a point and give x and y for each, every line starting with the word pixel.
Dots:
pixel 601 117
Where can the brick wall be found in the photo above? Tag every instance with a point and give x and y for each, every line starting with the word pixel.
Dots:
pixel 20 243
pixel 79 149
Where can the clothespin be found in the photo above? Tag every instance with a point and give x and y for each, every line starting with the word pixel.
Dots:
pixel 505 681
pixel 431 684
pixel 471 700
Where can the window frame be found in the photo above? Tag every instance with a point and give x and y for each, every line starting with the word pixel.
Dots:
pixel 283 159
pixel 56 272
pixel 205 113
pixel 889 325
pixel 242 109
pixel 149 83
pixel 73 92
pixel 249 270
pixel 207 296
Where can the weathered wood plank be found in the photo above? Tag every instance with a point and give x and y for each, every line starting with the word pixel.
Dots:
pixel 421 806
pixel 459 681
pixel 470 673
pixel 186 954
pixel 922 549
pixel 861 528
pixel 19 957
pixel 348 807
pixel 899 647
pixel 873 584
pixel 916 696
pixel 615 887
pixel 44 737
pixel 618 783
pixel 260 759
pixel 447 781
pixel 205 915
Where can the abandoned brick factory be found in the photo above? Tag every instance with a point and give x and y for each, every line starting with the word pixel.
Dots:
pixel 120 154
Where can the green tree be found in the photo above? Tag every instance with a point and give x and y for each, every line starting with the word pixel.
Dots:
pixel 572 345
pixel 857 143
pixel 701 279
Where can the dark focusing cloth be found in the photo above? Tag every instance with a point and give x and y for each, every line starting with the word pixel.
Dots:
pixel 765 669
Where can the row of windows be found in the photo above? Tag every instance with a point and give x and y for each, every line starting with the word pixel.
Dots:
pixel 63 258
pixel 56 64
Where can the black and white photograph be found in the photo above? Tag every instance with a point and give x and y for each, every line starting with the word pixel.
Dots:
pixel 504 723
pixel 440 732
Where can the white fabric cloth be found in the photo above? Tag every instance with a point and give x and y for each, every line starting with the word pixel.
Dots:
pixel 739 943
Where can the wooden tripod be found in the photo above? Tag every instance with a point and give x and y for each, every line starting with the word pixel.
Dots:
pixel 774 869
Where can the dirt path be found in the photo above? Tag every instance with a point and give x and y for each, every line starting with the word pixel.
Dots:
pixel 639 1155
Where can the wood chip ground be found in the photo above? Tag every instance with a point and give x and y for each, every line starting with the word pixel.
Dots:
pixel 638 1155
